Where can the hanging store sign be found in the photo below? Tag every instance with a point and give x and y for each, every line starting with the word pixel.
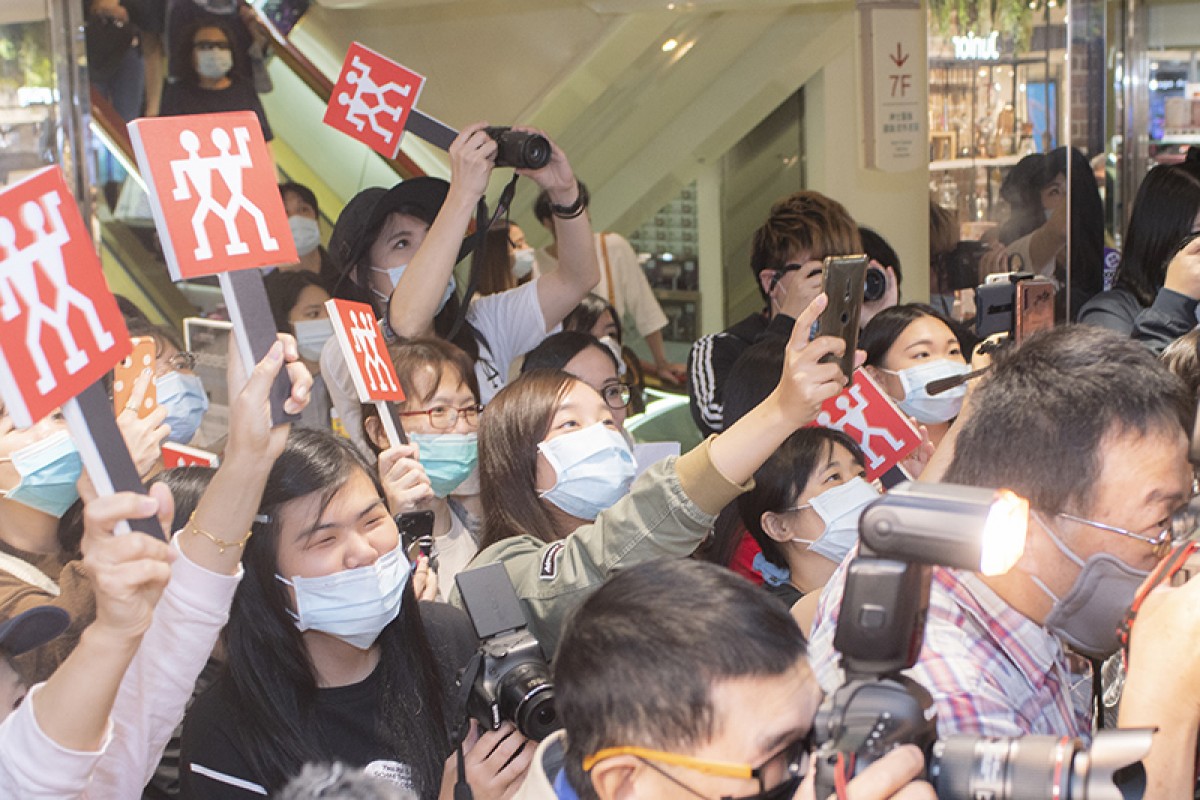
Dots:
pixel 976 48
pixel 894 91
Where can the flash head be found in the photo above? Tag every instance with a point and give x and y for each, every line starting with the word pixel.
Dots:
pixel 982 530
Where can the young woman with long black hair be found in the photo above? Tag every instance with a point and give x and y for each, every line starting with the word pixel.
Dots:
pixel 329 654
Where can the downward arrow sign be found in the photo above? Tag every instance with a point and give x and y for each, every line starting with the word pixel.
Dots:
pixel 900 56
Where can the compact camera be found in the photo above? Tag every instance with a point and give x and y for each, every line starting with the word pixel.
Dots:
pixel 519 149
pixel 509 677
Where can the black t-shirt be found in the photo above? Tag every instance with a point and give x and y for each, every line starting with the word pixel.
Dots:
pixel 214 767
pixel 182 98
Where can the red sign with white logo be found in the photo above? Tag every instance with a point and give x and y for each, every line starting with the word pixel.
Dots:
pixel 60 328
pixel 214 194
pixel 365 351
pixel 866 414
pixel 372 99
pixel 181 455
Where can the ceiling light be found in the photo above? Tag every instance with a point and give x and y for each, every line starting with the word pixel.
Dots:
pixel 669 45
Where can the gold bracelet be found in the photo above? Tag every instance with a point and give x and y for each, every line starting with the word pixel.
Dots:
pixel 220 543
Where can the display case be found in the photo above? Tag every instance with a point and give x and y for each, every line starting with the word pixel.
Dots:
pixel 668 248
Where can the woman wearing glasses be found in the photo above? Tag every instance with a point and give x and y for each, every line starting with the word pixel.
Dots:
pixel 561 509
pixel 209 75
pixel 435 471
pixel 589 360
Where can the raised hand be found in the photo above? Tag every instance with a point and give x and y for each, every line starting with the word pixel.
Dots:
pixel 406 486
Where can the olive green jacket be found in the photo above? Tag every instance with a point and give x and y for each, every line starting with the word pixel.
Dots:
pixel 667 514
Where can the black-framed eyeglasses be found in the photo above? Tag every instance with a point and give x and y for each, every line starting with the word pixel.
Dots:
pixel 791 761
pixel 444 418
pixel 793 266
pixel 616 395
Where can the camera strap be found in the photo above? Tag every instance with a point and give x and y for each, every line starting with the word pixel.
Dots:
pixel 475 245
pixel 462 790
pixel 1165 570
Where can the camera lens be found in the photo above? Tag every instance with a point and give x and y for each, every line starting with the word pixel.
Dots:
pixel 875 286
pixel 1028 767
pixel 526 697
pixel 535 153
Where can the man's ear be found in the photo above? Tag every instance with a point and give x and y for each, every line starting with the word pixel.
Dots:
pixel 373 427
pixel 766 279
pixel 772 525
pixel 617 778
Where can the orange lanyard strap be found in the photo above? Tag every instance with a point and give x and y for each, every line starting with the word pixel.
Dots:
pixel 1163 573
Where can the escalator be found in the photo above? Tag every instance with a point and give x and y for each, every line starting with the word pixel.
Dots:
pixel 332 165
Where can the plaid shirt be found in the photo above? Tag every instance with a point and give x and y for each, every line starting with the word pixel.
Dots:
pixel 991 670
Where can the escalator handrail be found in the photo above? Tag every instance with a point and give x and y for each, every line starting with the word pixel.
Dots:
pixel 106 116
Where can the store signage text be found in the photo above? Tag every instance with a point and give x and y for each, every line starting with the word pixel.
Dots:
pixel 976 48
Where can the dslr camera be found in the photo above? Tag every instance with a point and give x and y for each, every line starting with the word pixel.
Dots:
pixel 879 633
pixel 519 149
pixel 508 678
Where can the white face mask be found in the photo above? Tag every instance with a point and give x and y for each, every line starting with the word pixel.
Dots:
pixel 394 274
pixel 840 508
pixel 306 233
pixel 213 64
pixel 311 335
pixel 523 262
pixel 594 468
pixel 922 407
pixel 355 605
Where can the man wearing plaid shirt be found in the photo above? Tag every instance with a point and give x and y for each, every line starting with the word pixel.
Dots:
pixel 1091 429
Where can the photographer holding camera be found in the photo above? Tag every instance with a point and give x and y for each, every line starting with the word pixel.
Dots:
pixel 679 679
pixel 505 325
pixel 995 656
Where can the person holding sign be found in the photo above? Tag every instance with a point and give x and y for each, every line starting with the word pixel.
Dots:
pixel 562 511
pixel 97 726
pixel 441 415
pixel 501 326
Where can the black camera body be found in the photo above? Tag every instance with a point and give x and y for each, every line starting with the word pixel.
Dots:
pixel 508 679
pixel 519 149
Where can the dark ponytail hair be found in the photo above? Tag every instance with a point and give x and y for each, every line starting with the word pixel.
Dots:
pixel 272 685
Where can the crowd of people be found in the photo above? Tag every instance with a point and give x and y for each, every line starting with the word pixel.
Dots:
pixel 288 641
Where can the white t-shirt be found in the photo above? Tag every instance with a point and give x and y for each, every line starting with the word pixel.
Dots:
pixel 511 324
pixel 629 292
pixel 454 552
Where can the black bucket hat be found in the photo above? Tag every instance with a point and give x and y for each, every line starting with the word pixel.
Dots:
pixel 362 217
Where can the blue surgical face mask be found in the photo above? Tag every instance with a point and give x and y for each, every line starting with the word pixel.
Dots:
pixel 840 508
pixel 48 470
pixel 448 458
pixel 306 233
pixel 394 274
pixel 918 404
pixel 355 605
pixel 185 401
pixel 594 467
pixel 311 335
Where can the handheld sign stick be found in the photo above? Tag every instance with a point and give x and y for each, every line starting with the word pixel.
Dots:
pixel 371 369
pixel 218 211
pixel 55 353
pixel 375 99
